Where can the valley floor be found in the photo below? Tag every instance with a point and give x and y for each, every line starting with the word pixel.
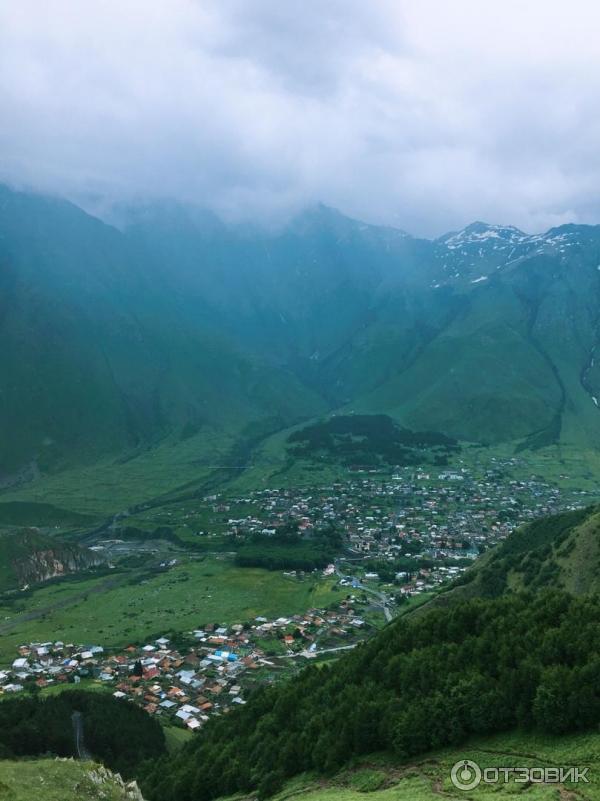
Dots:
pixel 131 606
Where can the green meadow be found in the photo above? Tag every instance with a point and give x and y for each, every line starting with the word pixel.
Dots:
pixel 113 484
pixel 116 609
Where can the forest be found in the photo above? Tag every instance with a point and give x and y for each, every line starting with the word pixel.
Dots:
pixel 370 440
pixel 289 550
pixel 117 733
pixel 482 666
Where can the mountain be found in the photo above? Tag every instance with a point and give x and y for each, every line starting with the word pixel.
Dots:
pixel 99 357
pixel 560 551
pixel 173 325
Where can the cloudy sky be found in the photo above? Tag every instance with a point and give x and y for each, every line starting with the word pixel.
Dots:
pixel 426 115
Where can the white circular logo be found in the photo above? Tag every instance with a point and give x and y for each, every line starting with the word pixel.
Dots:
pixel 465 775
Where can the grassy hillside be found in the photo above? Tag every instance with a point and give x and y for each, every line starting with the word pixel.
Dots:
pixel 380 778
pixel 479 667
pixel 560 551
pixel 59 780
pixel 27 513
pixel 100 357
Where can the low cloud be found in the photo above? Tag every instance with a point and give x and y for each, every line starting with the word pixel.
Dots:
pixel 423 115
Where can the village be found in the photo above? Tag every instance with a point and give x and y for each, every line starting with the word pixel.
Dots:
pixel 203 673
pixel 406 533
pixel 404 537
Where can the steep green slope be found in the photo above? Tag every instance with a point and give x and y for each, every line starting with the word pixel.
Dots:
pixel 428 778
pixel 97 357
pixel 62 780
pixel 560 551
pixel 514 362
pixel 176 326
pixel 478 667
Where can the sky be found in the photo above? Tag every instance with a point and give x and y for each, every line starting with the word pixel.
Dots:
pixel 423 115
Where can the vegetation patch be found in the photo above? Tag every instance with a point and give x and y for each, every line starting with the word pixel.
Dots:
pixel 369 440
pixel 540 555
pixel 27 513
pixel 288 550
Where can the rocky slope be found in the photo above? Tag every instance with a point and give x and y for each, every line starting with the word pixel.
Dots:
pixel 29 557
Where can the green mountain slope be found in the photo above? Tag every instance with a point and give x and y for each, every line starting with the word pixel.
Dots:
pixel 62 780
pixel 176 325
pixel 96 356
pixel 428 778
pixel 478 667
pixel 560 551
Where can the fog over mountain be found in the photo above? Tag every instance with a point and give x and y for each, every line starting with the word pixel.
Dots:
pixel 178 325
pixel 425 116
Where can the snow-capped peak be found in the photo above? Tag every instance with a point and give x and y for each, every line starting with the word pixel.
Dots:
pixel 479 233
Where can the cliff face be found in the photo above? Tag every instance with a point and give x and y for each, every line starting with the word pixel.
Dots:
pixel 28 556
pixel 41 565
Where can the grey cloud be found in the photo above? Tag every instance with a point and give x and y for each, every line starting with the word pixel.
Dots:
pixel 424 115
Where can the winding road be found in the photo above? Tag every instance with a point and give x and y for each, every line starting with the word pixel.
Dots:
pixel 381 597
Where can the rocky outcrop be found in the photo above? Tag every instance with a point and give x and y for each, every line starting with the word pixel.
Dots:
pixel 101 776
pixel 99 782
pixel 46 563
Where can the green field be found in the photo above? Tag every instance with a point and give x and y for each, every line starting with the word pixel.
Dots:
pixel 112 485
pixel 115 609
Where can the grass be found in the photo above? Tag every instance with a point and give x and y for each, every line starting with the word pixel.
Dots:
pixel 27 513
pixel 112 485
pixel 56 780
pixel 428 777
pixel 120 608
pixel 415 601
pixel 89 685
pixel 176 737
pixel 198 465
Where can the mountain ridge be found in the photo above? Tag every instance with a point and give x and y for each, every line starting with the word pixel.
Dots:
pixel 122 338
